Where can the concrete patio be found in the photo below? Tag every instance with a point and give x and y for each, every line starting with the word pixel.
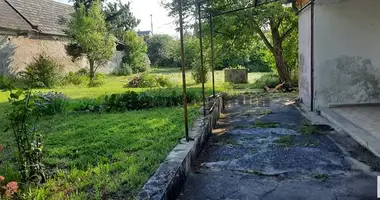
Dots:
pixel 361 122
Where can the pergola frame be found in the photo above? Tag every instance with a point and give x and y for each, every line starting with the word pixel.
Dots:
pixel 211 15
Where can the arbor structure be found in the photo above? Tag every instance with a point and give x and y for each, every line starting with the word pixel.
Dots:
pixel 272 27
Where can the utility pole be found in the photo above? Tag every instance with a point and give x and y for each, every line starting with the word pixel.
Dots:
pixel 151 23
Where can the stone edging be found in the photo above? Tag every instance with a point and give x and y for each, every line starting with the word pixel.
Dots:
pixel 167 181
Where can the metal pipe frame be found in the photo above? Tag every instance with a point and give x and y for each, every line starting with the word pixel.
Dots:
pixel 203 78
pixel 183 73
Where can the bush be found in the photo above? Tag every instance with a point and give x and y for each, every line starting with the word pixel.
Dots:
pixel 43 72
pixel 270 80
pixel 124 70
pixel 51 103
pixel 83 72
pixel 87 105
pixel 97 81
pixel 148 99
pixel 197 71
pixel 10 82
pixel 74 79
pixel 148 81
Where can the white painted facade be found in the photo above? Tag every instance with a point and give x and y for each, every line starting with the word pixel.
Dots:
pixel 346 52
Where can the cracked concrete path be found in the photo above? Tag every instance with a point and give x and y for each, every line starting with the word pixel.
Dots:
pixel 263 148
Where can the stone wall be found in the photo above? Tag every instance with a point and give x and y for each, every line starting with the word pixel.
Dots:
pixel 17 51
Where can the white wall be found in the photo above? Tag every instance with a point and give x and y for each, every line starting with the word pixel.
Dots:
pixel 347 51
pixel 304 56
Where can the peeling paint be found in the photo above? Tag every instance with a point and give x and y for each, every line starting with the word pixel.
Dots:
pixel 348 79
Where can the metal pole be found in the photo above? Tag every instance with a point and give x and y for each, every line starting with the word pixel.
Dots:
pixel 183 73
pixel 212 54
pixel 202 66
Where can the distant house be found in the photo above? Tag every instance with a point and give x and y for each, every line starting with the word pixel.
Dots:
pixel 32 27
pixel 144 33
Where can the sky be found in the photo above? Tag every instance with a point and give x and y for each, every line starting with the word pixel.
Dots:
pixel 142 9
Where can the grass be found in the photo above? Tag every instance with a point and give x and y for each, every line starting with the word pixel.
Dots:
pixel 321 176
pixel 286 141
pixel 261 124
pixel 308 129
pixel 103 156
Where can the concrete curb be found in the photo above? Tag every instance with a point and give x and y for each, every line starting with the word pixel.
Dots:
pixel 167 181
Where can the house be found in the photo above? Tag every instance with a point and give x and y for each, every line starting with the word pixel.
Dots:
pixel 32 27
pixel 339 51
pixel 144 33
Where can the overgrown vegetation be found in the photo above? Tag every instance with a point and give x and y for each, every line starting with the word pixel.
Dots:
pixel 261 124
pixel 23 117
pixel 148 81
pixel 42 72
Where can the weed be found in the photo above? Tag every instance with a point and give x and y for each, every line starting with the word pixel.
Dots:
pixel 287 140
pixel 261 124
pixel 307 129
pixel 321 176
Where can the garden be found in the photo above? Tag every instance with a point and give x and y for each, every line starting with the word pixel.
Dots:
pixel 90 135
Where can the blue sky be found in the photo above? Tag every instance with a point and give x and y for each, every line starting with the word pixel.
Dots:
pixel 142 9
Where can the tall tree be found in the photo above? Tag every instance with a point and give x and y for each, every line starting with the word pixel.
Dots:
pixel 118 15
pixel 273 23
pixel 89 37
pixel 119 18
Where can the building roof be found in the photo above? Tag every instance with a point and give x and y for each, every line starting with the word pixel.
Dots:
pixel 10 19
pixel 46 16
pixel 144 33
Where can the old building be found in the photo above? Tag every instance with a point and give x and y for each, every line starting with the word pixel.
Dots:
pixel 32 27
pixel 340 64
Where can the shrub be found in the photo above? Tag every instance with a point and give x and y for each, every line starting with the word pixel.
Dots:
pixel 43 72
pixel 51 103
pixel 97 81
pixel 197 71
pixel 74 79
pixel 147 99
pixel 124 70
pixel 83 72
pixel 148 81
pixel 87 105
pixel 10 82
pixel 270 80
pixel 23 118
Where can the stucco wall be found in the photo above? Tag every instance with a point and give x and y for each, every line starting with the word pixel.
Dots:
pixel 347 52
pixel 17 51
pixel 304 56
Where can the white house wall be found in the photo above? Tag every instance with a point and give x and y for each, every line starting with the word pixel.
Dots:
pixel 304 56
pixel 347 52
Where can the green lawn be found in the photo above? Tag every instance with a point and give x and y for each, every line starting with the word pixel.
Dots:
pixel 103 155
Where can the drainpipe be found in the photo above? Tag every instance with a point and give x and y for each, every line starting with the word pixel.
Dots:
pixel 312 96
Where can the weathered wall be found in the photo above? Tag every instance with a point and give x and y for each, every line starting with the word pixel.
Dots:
pixel 304 56
pixel 17 51
pixel 347 49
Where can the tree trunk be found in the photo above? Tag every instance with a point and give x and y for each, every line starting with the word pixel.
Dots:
pixel 92 70
pixel 281 66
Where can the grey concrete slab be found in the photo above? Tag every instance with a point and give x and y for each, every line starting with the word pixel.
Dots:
pixel 277 159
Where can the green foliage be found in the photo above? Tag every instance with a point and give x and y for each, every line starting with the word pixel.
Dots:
pixel 285 141
pixel 196 73
pixel 135 51
pixel 269 80
pixel 148 81
pixel 124 70
pixel 147 99
pixel 88 105
pixel 23 116
pixel 10 82
pixel 51 103
pixel 162 51
pixel 74 79
pixel 42 72
pixel 97 81
pixel 89 37
pixel 119 18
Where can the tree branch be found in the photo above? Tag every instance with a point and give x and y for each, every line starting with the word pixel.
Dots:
pixel 287 33
pixel 262 35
